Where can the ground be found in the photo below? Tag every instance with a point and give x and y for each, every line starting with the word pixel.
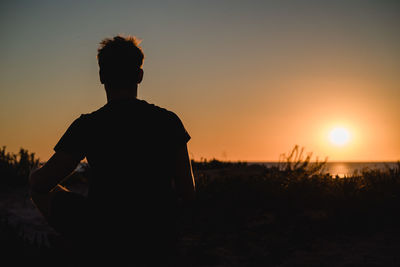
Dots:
pixel 308 239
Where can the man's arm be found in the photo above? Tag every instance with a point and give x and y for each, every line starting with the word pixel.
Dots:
pixel 59 166
pixel 184 181
pixel 44 181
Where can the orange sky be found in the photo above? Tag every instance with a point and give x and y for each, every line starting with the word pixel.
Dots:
pixel 249 79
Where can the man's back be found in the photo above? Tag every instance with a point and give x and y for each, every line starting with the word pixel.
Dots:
pixel 130 146
pixel 127 142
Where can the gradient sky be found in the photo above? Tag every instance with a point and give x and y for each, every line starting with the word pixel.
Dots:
pixel 249 79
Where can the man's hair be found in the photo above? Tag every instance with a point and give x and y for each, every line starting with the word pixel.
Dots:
pixel 120 60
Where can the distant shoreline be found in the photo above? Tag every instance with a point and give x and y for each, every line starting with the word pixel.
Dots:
pixel 344 168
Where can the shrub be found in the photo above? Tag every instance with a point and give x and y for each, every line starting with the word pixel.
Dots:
pixel 15 168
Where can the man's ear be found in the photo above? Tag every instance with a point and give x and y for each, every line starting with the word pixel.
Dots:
pixel 140 76
pixel 101 76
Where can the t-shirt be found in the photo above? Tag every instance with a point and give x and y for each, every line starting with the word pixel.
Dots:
pixel 130 146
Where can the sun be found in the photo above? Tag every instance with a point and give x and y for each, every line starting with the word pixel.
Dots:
pixel 339 136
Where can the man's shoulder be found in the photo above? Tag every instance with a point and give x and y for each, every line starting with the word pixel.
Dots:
pixel 163 112
pixel 143 107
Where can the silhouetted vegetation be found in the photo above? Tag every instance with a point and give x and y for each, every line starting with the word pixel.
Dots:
pixel 18 250
pixel 205 164
pixel 253 215
pixel 15 168
pixel 261 215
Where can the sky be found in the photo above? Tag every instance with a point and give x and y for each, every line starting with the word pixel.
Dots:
pixel 249 79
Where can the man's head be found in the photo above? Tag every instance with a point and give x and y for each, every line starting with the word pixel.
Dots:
pixel 120 61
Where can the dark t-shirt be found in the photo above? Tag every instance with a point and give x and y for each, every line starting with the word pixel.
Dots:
pixel 130 146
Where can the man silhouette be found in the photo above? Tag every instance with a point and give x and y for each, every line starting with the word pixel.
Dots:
pixel 140 169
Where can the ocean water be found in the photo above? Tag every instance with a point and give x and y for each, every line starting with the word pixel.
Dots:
pixel 343 169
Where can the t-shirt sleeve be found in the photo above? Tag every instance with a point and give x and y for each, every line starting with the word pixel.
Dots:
pixel 181 136
pixel 73 141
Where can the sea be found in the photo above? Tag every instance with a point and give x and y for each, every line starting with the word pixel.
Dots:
pixel 345 169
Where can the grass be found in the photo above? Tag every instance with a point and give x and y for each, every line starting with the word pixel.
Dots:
pixel 261 215
pixel 251 215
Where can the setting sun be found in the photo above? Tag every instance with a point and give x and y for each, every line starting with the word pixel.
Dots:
pixel 339 136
